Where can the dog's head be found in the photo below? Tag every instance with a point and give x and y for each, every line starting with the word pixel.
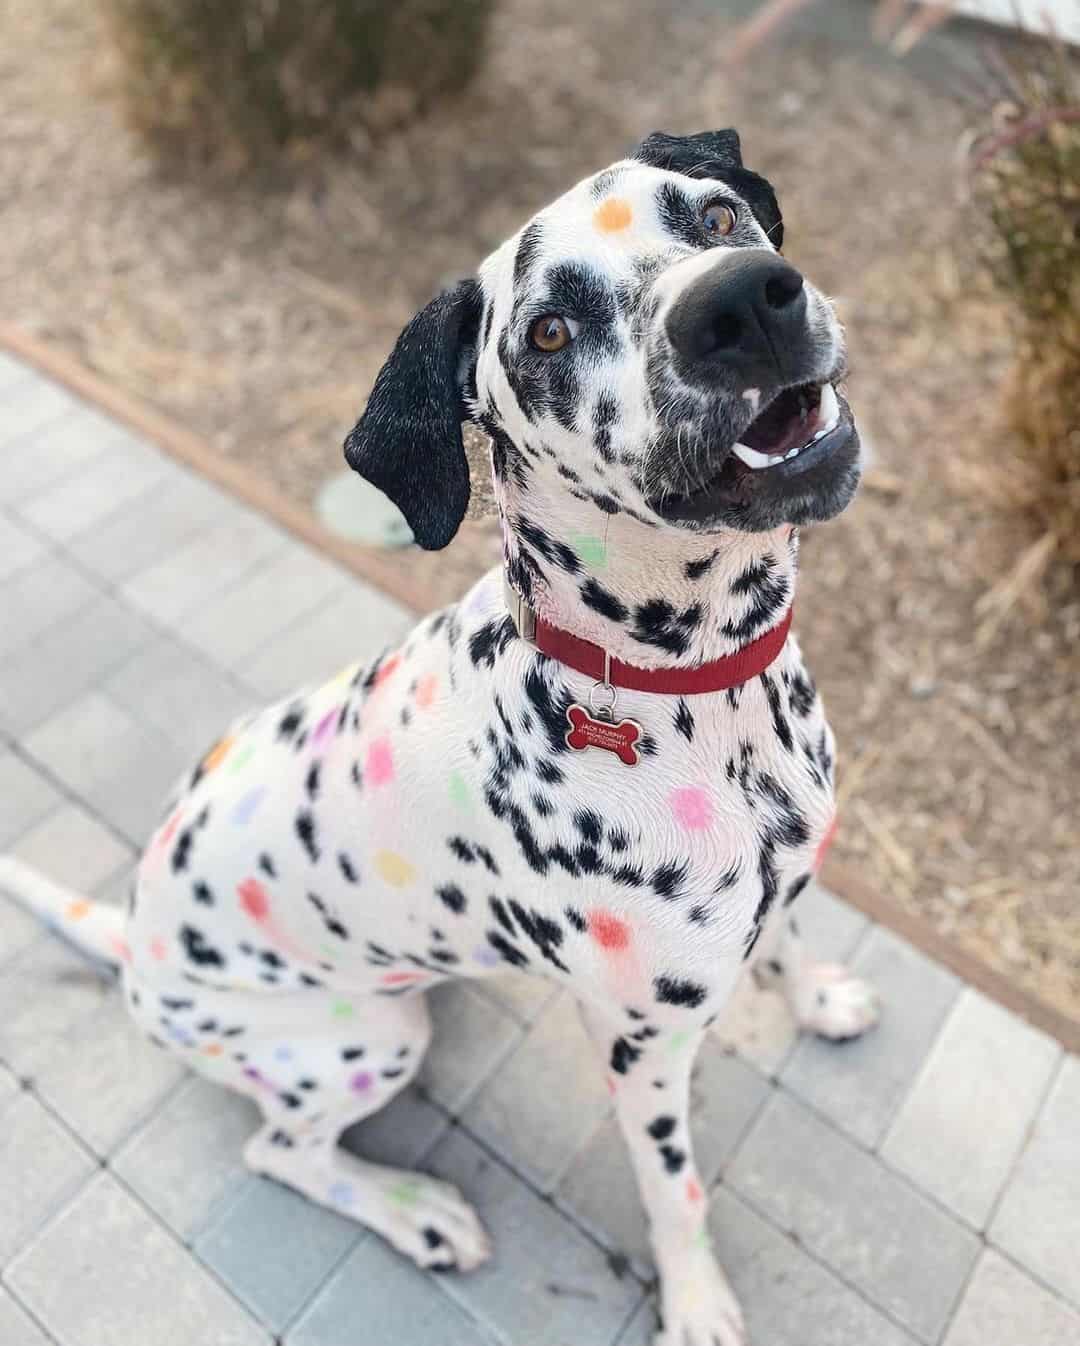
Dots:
pixel 640 342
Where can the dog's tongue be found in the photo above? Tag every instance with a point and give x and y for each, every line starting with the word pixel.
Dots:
pixel 787 422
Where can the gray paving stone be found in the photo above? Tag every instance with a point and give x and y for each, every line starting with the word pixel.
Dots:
pixel 210 563
pixel 892 1244
pixel 73 655
pixel 178 694
pixel 234 623
pixel 599 1190
pixel 73 849
pixel 522 1110
pixel 1002 1305
pixel 859 1085
pixel 400 1134
pixel 144 529
pixel 30 404
pixel 641 1329
pixel 377 1298
pixel 547 1285
pixel 104 1077
pixel 44 990
pixel 104 754
pixel 1039 1215
pixel 186 1162
pixel 25 797
pixel 42 1167
pixel 469 1042
pixel 273 1249
pixel 964 1123
pixel 45 456
pixel 18 929
pixel 18 547
pixel 91 492
pixel 39 597
pixel 16 1328
pixel 354 625
pixel 788 1298
pixel 756 1023
pixel 105 1273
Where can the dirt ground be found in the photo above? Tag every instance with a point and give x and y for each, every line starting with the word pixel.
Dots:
pixel 259 320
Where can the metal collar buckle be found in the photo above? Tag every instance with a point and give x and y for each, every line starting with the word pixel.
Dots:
pixel 521 614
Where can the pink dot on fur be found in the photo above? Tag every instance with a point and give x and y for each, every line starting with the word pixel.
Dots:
pixel 692 807
pixel 157 949
pixel 254 900
pixel 425 691
pixel 380 763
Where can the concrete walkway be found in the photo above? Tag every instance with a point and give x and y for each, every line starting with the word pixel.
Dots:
pixel 922 1186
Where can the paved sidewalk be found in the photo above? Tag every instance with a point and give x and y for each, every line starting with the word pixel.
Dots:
pixel 921 1186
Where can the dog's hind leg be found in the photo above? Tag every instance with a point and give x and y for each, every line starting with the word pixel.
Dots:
pixel 824 998
pixel 316 1063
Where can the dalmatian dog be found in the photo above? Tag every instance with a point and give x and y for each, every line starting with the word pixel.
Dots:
pixel 606 766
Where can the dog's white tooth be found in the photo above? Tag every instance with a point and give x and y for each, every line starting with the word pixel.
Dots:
pixel 752 458
pixel 793 453
pixel 828 409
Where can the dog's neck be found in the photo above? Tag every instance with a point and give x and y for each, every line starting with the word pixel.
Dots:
pixel 651 596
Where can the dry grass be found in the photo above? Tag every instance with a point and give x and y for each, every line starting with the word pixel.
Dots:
pixel 253 83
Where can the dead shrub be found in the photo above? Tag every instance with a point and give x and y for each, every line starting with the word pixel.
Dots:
pixel 256 83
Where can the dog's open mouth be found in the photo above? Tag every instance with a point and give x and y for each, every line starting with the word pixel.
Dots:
pixel 793 420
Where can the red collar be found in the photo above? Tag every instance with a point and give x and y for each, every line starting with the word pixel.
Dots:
pixel 594 661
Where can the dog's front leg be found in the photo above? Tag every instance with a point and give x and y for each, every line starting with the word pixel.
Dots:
pixel 649 1072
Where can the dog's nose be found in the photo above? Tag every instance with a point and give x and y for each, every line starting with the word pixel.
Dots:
pixel 748 311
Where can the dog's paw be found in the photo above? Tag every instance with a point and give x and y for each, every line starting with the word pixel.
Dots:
pixel 431 1222
pixel 700 1310
pixel 834 1004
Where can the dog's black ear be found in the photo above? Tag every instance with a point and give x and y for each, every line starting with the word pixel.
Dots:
pixel 716 154
pixel 408 441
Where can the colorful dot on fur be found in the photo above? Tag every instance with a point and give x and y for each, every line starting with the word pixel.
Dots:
pixel 247 806
pixel 693 1190
pixel 342 1193
pixel 169 830
pixel 612 215
pixel 253 899
pixel 325 726
pixel 402 978
pixel 342 1009
pixel 459 792
pixel 218 753
pixel 77 910
pixel 379 769
pixel 826 842
pixel 283 1054
pixel 405 1193
pixel 486 956
pixel 394 869
pixel 591 550
pixel 241 758
pixel 678 1040
pixel 692 807
pixel 387 670
pixel 608 931
pixel 426 691
pixel 213 1049
pixel 361 1082
pixel 157 949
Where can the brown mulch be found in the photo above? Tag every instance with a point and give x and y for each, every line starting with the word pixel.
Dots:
pixel 260 318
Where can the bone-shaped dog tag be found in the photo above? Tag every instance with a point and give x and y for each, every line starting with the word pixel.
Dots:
pixel 592 731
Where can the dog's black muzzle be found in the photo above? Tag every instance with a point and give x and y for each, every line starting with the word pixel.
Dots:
pixel 744 321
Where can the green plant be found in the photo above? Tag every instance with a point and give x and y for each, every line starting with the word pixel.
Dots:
pixel 248 82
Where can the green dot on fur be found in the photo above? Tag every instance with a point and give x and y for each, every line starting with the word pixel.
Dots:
pixel 591 550
pixel 459 791
pixel 405 1193
pixel 342 1009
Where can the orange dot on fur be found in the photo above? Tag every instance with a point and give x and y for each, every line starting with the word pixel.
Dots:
pixel 608 931
pixel 217 753
pixel 77 910
pixel 612 214
pixel 213 1049
pixel 388 669
pixel 425 691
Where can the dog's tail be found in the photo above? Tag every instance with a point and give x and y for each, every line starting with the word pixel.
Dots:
pixel 93 928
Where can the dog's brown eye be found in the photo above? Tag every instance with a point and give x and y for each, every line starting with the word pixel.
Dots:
pixel 718 221
pixel 551 333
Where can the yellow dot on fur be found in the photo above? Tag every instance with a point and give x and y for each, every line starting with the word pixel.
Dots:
pixel 394 868
pixel 75 911
pixel 612 214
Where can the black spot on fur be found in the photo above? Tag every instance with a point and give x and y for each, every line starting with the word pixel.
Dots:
pixel 677 991
pixel 595 596
pixel 796 888
pixel 198 950
pixel 490 640
pixel 306 831
pixel 673 1158
pixel 347 868
pixel 623 1055
pixel 576 919
pixel 657 623
pixel 202 892
pixel 507 951
pixel 667 878
pixel 694 570
pixel 684 720
pixel 450 895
